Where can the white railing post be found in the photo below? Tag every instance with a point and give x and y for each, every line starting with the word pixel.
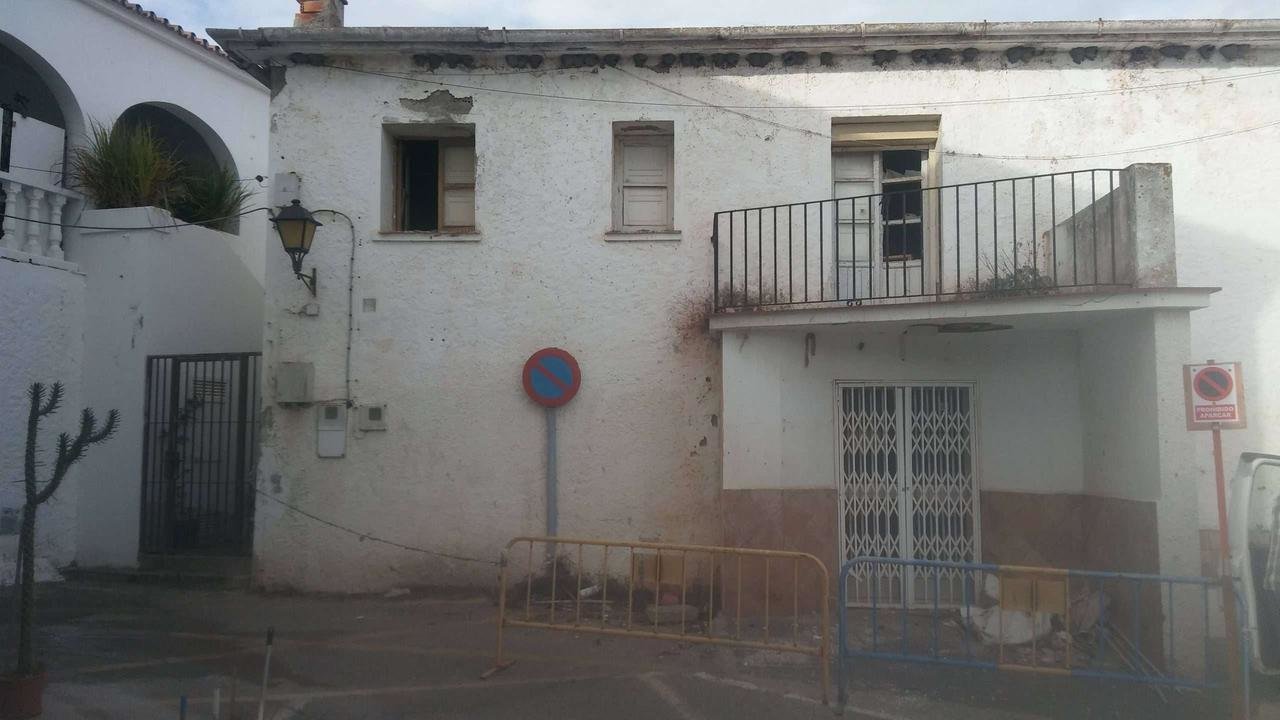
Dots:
pixel 13 205
pixel 56 203
pixel 34 244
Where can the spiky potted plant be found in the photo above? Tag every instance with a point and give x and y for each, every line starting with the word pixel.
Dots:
pixel 22 690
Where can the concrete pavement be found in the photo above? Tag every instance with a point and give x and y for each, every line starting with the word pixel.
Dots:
pixel 130 651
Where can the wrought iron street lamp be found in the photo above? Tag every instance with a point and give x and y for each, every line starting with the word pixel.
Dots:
pixel 297 228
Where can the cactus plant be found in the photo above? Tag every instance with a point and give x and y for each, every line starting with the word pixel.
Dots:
pixel 69 452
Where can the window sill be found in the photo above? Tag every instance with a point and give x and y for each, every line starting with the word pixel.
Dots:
pixel 414 236
pixel 665 236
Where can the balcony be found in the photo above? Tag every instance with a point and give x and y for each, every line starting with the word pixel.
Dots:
pixel 1070 232
pixel 33 218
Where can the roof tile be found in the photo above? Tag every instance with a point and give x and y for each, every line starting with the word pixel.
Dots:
pixel 164 22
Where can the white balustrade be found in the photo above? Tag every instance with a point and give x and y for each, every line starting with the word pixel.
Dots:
pixel 36 230
pixel 33 217
pixel 56 204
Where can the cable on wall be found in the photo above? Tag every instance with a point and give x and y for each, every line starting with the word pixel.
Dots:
pixel 351 290
pixel 145 227
pixel 363 535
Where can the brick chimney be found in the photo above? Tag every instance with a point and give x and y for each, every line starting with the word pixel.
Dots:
pixel 319 13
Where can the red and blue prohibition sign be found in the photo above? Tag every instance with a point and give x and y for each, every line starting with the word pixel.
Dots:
pixel 551 377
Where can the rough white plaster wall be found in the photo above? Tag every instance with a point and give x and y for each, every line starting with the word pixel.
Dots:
pixel 179 290
pixel 779 429
pixel 461 467
pixel 147 63
pixel 41 326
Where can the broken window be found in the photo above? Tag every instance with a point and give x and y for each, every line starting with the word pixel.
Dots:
pixel 433 180
pixel 880 167
pixel 902 204
pixel 643 176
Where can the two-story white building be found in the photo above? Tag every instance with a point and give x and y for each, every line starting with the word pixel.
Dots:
pixel 910 290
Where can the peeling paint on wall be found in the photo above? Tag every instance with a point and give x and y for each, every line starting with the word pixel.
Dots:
pixel 438 104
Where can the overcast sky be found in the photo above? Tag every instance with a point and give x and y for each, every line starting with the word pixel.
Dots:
pixel 199 14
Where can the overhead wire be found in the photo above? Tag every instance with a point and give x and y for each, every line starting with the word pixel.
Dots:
pixel 255 178
pixel 145 227
pixel 364 535
pixel 1144 148
pixel 956 153
pixel 697 103
pixel 851 106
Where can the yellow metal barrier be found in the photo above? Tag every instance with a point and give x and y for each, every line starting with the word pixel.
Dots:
pixel 673 584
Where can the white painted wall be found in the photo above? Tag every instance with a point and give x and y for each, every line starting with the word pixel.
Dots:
pixel 42 321
pixel 461 467
pixel 1121 445
pixel 155 292
pixel 148 63
pixel 779 429
pixel 188 290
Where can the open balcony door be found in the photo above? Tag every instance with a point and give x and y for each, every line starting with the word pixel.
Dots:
pixel 855 175
pixel 886 234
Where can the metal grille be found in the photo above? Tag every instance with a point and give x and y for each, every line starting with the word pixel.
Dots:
pixel 199 453
pixel 1013 236
pixel 907 486
pixel 941 484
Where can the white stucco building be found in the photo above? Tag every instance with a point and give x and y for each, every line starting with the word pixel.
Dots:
pixel 87 304
pixel 974 354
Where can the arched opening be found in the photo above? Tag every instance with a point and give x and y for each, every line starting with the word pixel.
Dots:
pixel 209 171
pixel 39 114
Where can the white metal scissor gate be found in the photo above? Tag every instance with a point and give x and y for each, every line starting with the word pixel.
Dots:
pixel 908 486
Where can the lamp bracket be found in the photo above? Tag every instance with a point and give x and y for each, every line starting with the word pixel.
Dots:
pixel 309 280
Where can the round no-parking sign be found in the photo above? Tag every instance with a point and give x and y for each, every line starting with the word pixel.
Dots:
pixel 1215 396
pixel 551 377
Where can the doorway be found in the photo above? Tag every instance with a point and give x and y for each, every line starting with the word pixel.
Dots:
pixel 907 479
pixel 199 454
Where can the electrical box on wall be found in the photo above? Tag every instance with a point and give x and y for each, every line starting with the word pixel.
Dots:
pixel 372 417
pixel 9 521
pixel 285 188
pixel 331 430
pixel 294 381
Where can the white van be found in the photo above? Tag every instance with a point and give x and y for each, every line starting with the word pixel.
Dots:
pixel 1255 553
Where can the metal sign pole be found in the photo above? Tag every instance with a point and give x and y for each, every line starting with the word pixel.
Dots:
pixel 553 519
pixel 1238 711
pixel 551 378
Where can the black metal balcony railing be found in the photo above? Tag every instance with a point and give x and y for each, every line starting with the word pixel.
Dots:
pixel 1014 236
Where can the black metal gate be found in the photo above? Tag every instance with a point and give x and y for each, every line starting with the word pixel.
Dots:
pixel 199 453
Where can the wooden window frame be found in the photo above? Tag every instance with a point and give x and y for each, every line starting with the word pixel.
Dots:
pixel 653 131
pixel 396 136
pixel 881 133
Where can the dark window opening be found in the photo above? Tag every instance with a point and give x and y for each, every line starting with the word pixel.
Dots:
pixel 419 185
pixel 901 164
pixel 902 205
pixel 6 139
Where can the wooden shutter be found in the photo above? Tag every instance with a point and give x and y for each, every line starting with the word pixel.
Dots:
pixel 646 182
pixel 457 183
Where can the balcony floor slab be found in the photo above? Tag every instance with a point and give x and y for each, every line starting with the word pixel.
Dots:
pixel 1048 311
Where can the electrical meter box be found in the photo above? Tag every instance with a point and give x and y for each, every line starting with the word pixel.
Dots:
pixel 331 430
pixel 294 381
pixel 372 418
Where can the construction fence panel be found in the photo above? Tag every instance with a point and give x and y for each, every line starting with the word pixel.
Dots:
pixel 763 599
pixel 1150 629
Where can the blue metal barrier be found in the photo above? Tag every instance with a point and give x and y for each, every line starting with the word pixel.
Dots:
pixel 1106 625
